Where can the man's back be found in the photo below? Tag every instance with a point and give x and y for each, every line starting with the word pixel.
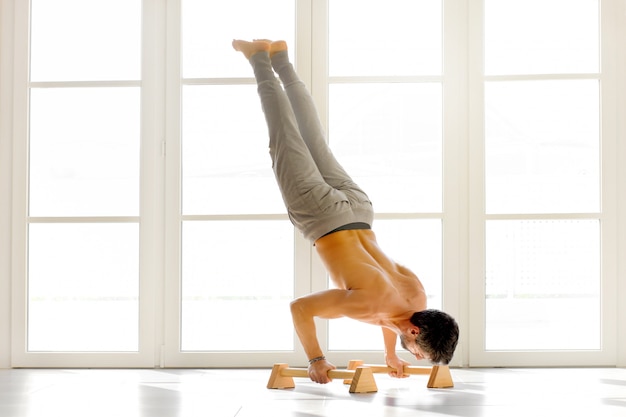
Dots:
pixel 355 262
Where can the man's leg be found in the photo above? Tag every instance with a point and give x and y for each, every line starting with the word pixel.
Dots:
pixel 308 120
pixel 303 188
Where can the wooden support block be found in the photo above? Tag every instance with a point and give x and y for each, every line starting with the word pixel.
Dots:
pixel 278 381
pixel 439 375
pixel 362 379
pixel 352 365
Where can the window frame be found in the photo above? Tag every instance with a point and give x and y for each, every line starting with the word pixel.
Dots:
pixel 463 212
pixel 147 219
pixel 607 216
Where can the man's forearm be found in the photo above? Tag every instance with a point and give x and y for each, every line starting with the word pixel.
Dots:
pixel 306 331
pixel 389 338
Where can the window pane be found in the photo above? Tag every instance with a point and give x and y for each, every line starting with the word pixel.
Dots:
pixel 423 256
pixel 388 137
pixel 541 36
pixel 542 146
pixel 80 40
pixel 384 37
pixel 210 26
pixel 84 152
pixel 226 164
pixel 83 287
pixel 543 285
pixel 238 281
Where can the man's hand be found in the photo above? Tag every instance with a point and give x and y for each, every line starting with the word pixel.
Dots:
pixel 398 364
pixel 318 371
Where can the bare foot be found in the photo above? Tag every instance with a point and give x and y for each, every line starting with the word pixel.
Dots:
pixel 277 46
pixel 250 48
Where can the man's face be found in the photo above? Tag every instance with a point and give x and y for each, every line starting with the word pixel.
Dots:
pixel 410 345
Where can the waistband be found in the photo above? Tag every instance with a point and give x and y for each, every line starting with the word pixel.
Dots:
pixel 350 226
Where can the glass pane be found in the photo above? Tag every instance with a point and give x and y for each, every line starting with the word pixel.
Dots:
pixel 542 146
pixel 80 40
pixel 389 138
pixel 210 26
pixel 238 281
pixel 222 155
pixel 543 285
pixel 83 287
pixel 423 256
pixel 541 36
pixel 385 37
pixel 84 152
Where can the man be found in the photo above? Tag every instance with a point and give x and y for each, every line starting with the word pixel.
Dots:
pixel 336 215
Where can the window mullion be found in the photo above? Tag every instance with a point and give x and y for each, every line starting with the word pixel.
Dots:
pixel 152 179
pixel 314 72
pixel 456 170
pixel 20 182
pixel 611 51
pixel 476 184
pixel 171 315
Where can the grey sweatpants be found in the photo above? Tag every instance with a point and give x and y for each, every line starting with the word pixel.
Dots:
pixel 318 193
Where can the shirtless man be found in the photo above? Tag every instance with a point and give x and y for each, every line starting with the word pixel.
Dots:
pixel 336 215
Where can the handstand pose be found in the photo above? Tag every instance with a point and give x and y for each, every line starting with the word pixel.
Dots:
pixel 336 215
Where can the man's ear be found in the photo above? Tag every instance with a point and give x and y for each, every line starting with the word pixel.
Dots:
pixel 415 330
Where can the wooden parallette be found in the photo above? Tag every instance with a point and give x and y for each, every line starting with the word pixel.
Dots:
pixel 361 378
pixel 439 375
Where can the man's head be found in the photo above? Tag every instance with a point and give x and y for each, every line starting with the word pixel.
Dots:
pixel 435 337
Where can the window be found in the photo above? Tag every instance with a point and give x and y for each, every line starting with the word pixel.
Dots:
pixel 385 126
pixel 83 177
pixel 237 263
pixel 546 201
pixel 147 228
pixel 542 149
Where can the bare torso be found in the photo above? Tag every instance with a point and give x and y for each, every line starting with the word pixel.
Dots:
pixel 372 288
pixel 387 290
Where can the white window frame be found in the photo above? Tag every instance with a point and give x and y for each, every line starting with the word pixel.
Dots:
pixel 618 34
pixel 607 355
pixel 151 201
pixel 171 354
pixel 463 215
pixel 6 167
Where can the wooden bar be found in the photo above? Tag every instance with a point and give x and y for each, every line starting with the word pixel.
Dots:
pixel 411 370
pixel 361 378
pixel 304 373
pixel 439 375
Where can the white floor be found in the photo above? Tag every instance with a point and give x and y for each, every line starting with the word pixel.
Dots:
pixel 242 393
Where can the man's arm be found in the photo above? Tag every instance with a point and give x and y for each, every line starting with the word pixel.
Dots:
pixel 327 304
pixel 391 357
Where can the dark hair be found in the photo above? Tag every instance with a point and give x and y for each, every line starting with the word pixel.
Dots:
pixel 438 336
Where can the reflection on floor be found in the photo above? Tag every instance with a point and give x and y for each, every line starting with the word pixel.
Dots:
pixel 598 392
